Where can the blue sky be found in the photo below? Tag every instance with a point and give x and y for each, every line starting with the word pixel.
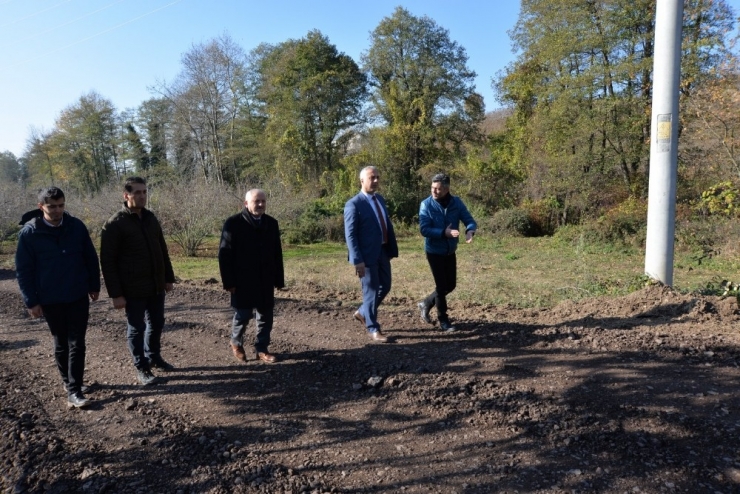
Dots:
pixel 54 51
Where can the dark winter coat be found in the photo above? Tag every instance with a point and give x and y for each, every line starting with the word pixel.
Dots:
pixel 250 258
pixel 134 256
pixel 56 265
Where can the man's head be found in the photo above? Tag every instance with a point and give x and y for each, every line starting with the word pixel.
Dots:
pixel 369 179
pixel 134 192
pixel 51 202
pixel 256 202
pixel 440 185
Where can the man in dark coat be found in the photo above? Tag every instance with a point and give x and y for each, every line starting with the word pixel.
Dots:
pixel 250 258
pixel 137 272
pixel 57 270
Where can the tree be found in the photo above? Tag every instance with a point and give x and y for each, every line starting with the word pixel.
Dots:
pixel 138 151
pixel 208 98
pixel 154 118
pixel 11 170
pixel 312 97
pixel 42 169
pixel 581 89
pixel 423 90
pixel 84 142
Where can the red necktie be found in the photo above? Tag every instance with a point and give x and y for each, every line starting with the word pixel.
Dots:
pixel 381 217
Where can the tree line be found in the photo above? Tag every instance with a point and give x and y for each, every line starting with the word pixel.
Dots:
pixel 570 144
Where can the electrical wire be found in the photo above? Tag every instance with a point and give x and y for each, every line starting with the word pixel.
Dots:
pixel 93 36
pixel 60 25
pixel 31 15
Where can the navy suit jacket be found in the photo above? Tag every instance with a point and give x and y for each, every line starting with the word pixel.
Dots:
pixel 363 233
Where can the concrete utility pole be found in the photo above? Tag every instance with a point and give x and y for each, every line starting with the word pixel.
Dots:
pixel 661 216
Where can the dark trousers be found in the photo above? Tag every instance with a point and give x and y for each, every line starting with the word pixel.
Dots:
pixel 68 324
pixel 263 319
pixel 375 286
pixel 145 320
pixel 444 271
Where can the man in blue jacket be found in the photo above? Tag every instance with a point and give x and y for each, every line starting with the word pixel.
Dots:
pixel 57 269
pixel 371 241
pixel 439 221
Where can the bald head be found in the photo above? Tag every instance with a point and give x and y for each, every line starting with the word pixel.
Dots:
pixel 256 202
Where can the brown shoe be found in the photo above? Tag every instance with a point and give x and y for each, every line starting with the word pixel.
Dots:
pixel 378 336
pixel 267 357
pixel 239 352
pixel 359 317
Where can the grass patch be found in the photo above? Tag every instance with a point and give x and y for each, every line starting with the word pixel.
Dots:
pixel 493 270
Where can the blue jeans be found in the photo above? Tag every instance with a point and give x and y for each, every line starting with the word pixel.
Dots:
pixel 145 320
pixel 68 325
pixel 263 319
pixel 375 286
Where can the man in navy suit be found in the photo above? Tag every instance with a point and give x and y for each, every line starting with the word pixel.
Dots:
pixel 372 244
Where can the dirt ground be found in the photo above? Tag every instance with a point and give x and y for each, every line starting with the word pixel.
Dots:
pixel 623 395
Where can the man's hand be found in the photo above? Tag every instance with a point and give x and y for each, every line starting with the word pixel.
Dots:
pixel 469 236
pixel 450 233
pixel 360 270
pixel 119 303
pixel 35 311
pixel 168 287
pixel 94 296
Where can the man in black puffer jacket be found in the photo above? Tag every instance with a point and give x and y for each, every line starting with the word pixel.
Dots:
pixel 250 258
pixel 137 273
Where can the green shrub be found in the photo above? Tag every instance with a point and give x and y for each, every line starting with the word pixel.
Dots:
pixel 316 223
pixel 544 215
pixel 623 222
pixel 720 199
pixel 512 221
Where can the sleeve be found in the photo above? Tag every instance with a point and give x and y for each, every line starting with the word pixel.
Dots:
pixel 226 256
pixel 109 245
pixel 352 232
pixel 91 261
pixel 279 268
pixel 25 270
pixel 426 223
pixel 466 217
pixel 169 273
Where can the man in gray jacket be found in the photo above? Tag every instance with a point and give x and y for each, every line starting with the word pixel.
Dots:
pixel 440 216
pixel 137 272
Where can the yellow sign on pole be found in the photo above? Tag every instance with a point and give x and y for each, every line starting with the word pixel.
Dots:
pixel 664 130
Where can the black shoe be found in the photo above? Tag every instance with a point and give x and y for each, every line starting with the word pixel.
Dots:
pixel 77 400
pixel 447 327
pixel 424 308
pixel 161 364
pixel 145 376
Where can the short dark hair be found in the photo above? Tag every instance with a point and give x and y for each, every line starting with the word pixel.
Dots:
pixel 441 178
pixel 52 192
pixel 127 185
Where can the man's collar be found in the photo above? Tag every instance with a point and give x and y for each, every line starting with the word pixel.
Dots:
pixel 50 225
